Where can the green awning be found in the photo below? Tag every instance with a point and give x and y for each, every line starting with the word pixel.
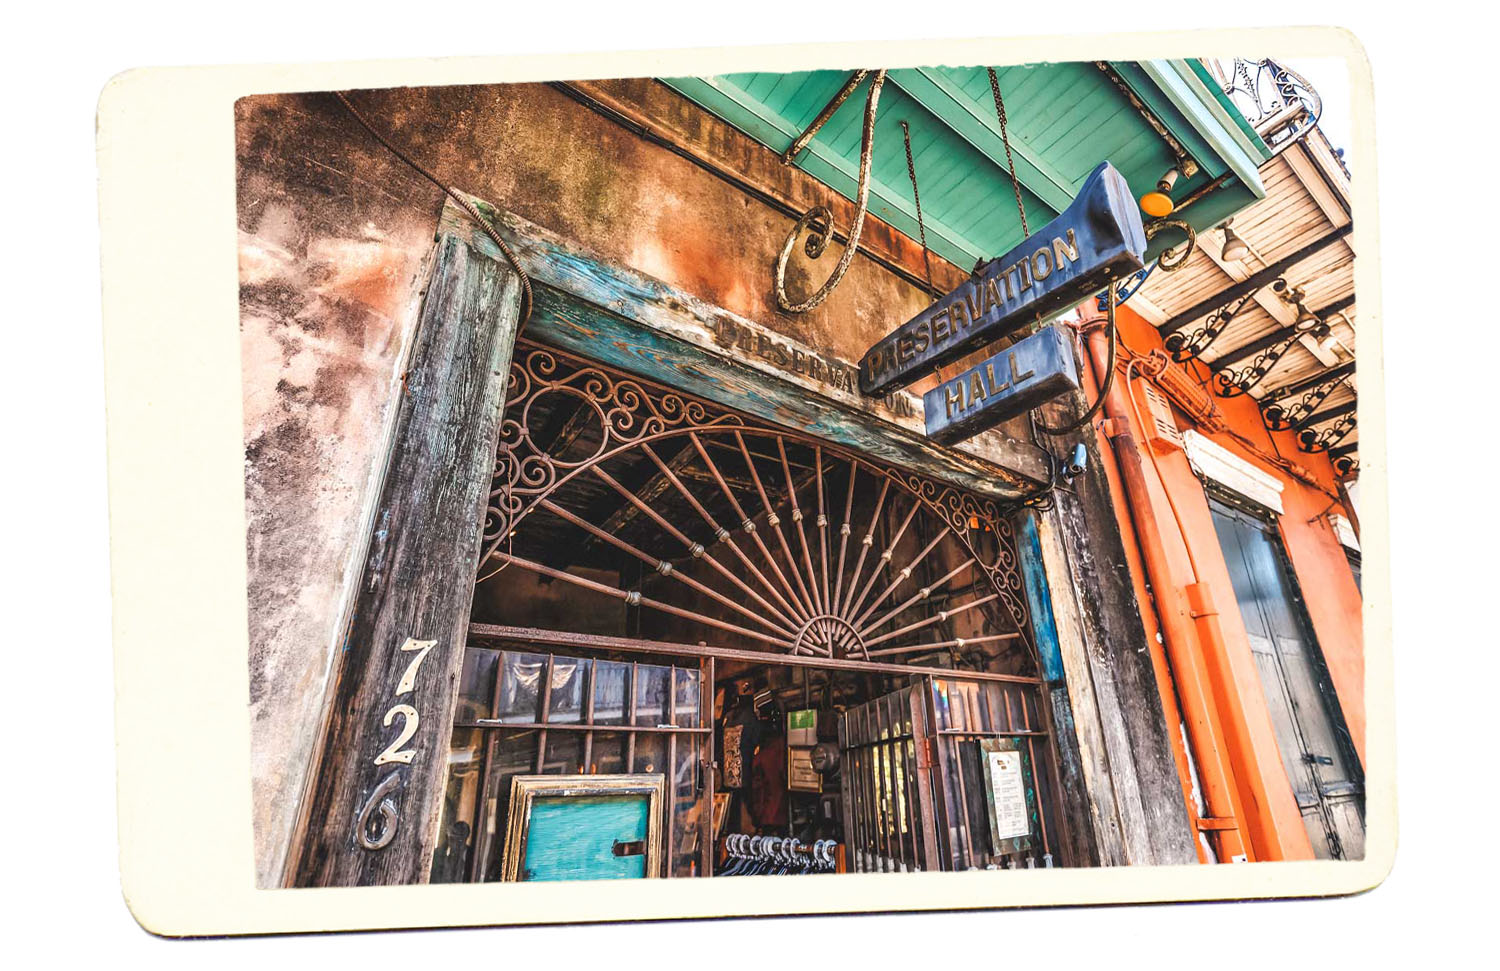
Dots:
pixel 1062 119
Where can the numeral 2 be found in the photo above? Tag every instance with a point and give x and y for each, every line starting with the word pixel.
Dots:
pixel 393 752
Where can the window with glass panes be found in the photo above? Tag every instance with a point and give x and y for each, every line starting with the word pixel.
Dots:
pixel 527 713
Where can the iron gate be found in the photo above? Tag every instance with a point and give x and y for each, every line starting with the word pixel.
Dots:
pixel 914 782
pixel 629 517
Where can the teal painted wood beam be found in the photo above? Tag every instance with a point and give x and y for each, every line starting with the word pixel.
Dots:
pixel 1211 84
pixel 1203 121
pixel 622 317
pixel 832 169
pixel 981 129
pixel 1039 598
pixel 1156 102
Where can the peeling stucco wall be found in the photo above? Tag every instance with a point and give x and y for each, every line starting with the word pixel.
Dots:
pixel 334 232
pixel 328 289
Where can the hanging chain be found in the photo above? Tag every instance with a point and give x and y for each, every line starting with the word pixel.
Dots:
pixel 911 172
pixel 1005 140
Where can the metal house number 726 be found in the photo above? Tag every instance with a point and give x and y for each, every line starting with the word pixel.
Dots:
pixel 380 800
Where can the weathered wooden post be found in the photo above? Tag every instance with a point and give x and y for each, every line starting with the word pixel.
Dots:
pixel 371 813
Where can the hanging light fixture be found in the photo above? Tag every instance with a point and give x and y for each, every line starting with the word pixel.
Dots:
pixel 1159 202
pixel 1308 322
pixel 1235 249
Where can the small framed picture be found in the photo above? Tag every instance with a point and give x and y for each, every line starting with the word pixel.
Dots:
pixel 721 811
pixel 592 827
pixel 1010 793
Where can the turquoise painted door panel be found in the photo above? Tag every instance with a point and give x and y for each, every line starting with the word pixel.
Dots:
pixel 574 838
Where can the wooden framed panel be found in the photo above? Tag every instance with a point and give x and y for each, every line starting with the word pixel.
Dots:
pixel 1010 794
pixel 603 824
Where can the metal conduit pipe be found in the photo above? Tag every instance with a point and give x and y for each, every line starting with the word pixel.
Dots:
pixel 1160 667
pixel 1179 631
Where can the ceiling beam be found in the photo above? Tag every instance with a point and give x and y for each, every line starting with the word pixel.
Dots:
pixel 1334 205
pixel 1250 283
pixel 1327 414
pixel 1279 310
pixel 1342 450
pixel 1233 357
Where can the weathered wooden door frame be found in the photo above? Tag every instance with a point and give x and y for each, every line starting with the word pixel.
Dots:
pixel 371 810
pixel 364 822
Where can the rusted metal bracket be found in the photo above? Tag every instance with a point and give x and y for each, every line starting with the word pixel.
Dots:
pixel 832 106
pixel 1200 600
pixel 1208 824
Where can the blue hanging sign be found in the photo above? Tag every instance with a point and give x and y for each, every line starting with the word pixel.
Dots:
pixel 1010 383
pixel 1097 239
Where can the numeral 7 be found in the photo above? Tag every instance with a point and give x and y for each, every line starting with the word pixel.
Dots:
pixel 409 679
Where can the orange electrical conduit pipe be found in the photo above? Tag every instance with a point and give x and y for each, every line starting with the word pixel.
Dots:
pixel 1180 634
pixel 1160 668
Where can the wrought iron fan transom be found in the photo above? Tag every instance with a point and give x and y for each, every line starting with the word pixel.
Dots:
pixel 705 525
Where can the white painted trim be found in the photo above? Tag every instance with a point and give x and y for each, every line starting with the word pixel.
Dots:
pixel 1344 530
pixel 1213 461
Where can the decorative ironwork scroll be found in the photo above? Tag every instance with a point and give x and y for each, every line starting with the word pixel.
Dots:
pixel 1184 345
pixel 1313 440
pixel 1278 417
pixel 819 219
pixel 772 538
pixel 1232 384
pixel 1170 260
pixel 1126 288
pixel 1264 90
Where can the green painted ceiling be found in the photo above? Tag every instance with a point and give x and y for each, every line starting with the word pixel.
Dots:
pixel 1062 119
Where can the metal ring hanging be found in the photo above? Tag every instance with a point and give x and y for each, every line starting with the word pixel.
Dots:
pixel 1164 262
pixel 821 220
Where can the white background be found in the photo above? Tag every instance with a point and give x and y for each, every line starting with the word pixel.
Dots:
pixel 1435 105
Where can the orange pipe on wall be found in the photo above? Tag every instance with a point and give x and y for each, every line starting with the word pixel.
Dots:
pixel 1160 667
pixel 1179 631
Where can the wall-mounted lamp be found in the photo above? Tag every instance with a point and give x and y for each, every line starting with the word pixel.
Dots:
pixel 1235 249
pixel 1159 202
pixel 1307 322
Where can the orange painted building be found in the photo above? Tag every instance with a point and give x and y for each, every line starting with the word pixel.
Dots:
pixel 1241 536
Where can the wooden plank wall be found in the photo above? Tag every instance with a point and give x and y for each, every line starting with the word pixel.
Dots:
pixel 1122 733
pixel 372 811
pixel 1083 832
